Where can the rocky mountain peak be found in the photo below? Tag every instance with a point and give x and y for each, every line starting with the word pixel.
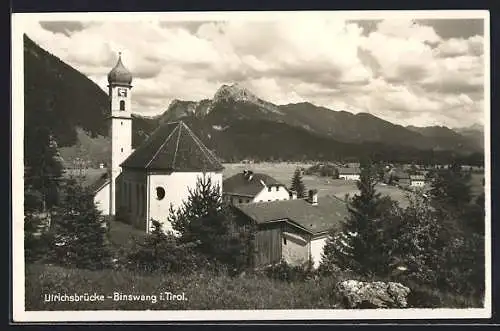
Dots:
pixel 234 92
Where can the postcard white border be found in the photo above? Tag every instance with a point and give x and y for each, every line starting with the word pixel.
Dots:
pixel 19 312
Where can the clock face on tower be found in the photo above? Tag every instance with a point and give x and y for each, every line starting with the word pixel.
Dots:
pixel 122 92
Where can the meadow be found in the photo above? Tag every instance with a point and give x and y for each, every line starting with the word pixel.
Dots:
pixel 283 172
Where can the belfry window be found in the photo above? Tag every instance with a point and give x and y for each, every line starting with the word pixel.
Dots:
pixel 122 104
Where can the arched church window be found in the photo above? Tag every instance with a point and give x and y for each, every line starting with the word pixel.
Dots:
pixel 160 193
pixel 122 104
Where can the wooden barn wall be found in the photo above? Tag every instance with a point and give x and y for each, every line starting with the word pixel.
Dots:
pixel 268 244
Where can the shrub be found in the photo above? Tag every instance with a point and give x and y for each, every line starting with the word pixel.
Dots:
pixel 422 296
pixel 284 272
pixel 35 241
pixel 161 251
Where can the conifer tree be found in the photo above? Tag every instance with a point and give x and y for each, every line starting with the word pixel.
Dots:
pixel 451 198
pixel 297 184
pixel 362 244
pixel 78 231
pixel 203 201
pixel 205 220
pixel 450 188
pixel 43 167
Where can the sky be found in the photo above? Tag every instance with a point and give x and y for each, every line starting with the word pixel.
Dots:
pixel 418 72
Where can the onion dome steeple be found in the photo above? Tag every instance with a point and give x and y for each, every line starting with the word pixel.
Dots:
pixel 119 74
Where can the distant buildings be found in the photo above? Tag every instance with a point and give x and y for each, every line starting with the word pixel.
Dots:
pixel 399 177
pixel 417 180
pixel 349 173
pixel 247 187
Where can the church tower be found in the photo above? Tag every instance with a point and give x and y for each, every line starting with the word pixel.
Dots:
pixel 119 87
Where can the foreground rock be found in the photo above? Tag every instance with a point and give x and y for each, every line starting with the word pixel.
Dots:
pixel 357 294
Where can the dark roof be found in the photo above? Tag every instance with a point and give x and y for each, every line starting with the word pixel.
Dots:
pixel 417 177
pixel 241 185
pixel 98 182
pixel 119 74
pixel 173 147
pixel 329 212
pixel 349 171
pixel 400 174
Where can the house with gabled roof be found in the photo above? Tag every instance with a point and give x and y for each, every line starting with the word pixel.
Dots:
pixel 247 187
pixel 417 180
pixel 349 173
pixel 293 230
pixel 143 184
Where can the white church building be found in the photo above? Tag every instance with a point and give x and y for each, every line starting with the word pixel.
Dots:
pixel 143 183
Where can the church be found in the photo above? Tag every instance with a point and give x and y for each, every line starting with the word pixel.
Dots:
pixel 142 183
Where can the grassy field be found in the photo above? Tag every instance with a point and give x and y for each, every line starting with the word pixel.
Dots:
pixel 200 291
pixel 283 172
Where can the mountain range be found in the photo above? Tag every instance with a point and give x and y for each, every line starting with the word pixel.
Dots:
pixel 235 123
pixel 233 102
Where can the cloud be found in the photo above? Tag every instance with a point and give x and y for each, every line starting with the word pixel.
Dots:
pixel 64 27
pixel 460 46
pixel 407 71
pixel 455 28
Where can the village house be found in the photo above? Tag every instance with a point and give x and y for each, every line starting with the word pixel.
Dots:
pixel 398 177
pixel 247 187
pixel 417 180
pixel 349 173
pixel 142 184
pixel 353 165
pixel 293 230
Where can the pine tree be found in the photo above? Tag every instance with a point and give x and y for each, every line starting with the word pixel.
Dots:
pixel 204 200
pixel 451 198
pixel 43 167
pixel 450 188
pixel 297 184
pixel 417 241
pixel 79 234
pixel 362 244
pixel 205 220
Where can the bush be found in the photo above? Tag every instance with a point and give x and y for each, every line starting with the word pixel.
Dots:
pixel 35 242
pixel 429 297
pixel 162 252
pixel 284 272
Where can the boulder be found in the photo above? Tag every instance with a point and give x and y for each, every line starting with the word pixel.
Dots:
pixel 357 294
